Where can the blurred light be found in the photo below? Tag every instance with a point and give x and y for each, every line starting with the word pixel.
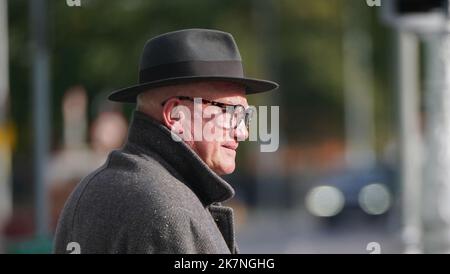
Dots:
pixel 325 201
pixel 374 199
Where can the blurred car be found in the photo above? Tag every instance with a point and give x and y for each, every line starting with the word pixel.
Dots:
pixel 369 191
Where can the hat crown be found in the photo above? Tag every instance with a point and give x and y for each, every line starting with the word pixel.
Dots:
pixel 190 55
pixel 189 45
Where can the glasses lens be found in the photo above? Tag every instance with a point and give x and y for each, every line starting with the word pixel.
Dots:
pixel 224 119
pixel 249 113
pixel 232 117
pixel 248 117
pixel 239 116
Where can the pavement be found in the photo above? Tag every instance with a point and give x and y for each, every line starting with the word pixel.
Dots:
pixel 297 232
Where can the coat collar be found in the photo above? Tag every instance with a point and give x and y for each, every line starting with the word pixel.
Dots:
pixel 153 137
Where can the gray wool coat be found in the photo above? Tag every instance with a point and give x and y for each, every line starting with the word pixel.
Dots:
pixel 155 195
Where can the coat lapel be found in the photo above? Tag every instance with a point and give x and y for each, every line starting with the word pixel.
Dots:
pixel 223 216
pixel 152 137
pixel 211 189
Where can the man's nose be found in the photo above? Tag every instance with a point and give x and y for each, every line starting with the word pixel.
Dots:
pixel 241 132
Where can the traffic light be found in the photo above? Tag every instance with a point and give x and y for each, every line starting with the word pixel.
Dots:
pixel 416 15
pixel 405 7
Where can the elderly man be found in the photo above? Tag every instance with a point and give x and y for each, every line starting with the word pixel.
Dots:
pixel 162 192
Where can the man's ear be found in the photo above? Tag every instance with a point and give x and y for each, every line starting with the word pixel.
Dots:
pixel 174 115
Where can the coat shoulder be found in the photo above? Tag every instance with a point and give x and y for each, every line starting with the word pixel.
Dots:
pixel 134 181
pixel 131 194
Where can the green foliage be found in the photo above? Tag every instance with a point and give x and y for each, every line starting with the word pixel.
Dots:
pixel 99 44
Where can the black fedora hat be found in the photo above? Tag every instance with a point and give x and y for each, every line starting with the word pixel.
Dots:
pixel 190 55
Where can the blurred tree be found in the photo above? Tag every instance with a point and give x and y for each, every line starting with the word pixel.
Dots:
pixel 98 46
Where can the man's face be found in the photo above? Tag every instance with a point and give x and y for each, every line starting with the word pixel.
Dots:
pixel 219 142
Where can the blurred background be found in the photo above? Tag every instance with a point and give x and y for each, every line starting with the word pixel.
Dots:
pixel 364 153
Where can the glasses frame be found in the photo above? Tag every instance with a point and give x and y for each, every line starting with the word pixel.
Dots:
pixel 248 113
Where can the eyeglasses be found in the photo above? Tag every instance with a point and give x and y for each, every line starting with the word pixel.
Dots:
pixel 232 115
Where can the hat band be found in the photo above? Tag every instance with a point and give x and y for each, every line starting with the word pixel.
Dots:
pixel 192 69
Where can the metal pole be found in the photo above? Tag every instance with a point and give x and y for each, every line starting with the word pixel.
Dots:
pixel 4 72
pixel 5 149
pixel 270 187
pixel 358 91
pixel 436 191
pixel 410 142
pixel 41 114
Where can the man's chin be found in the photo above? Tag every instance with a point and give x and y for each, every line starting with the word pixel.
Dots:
pixel 225 170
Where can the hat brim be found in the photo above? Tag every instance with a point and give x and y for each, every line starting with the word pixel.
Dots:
pixel 129 94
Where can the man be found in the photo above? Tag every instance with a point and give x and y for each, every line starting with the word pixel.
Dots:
pixel 162 192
